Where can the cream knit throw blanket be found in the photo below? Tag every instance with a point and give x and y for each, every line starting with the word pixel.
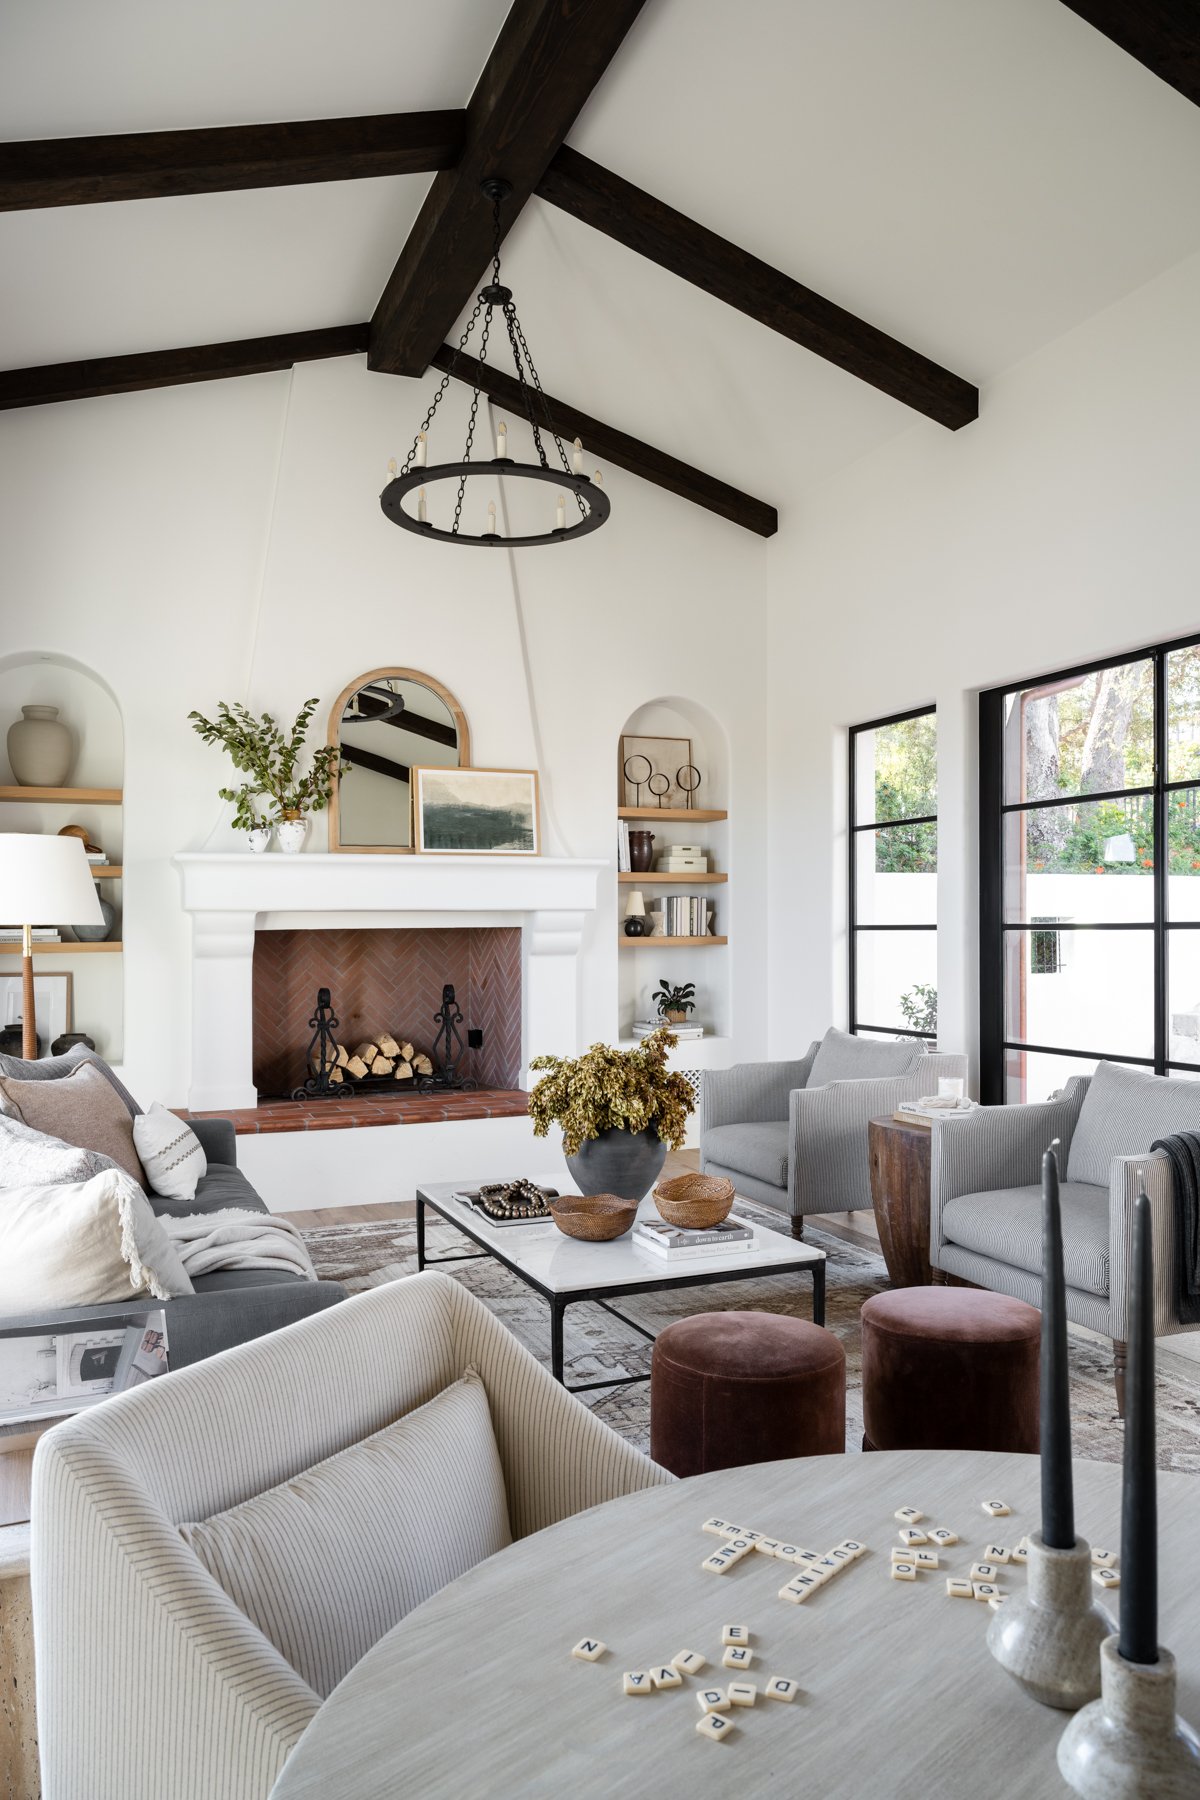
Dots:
pixel 236 1239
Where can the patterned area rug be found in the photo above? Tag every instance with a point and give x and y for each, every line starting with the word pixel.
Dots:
pixel 597 1345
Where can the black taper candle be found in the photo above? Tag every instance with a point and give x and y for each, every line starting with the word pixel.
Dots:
pixel 1139 1487
pixel 1058 1494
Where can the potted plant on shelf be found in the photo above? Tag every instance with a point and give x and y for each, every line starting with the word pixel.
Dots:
pixel 675 1003
pixel 258 747
pixel 620 1111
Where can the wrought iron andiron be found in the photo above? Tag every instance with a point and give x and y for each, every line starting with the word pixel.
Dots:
pixel 449 1047
pixel 322 1050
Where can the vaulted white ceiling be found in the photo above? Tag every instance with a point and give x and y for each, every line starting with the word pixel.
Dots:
pixel 975 178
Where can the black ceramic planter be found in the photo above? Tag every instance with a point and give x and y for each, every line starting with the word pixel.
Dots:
pixel 618 1162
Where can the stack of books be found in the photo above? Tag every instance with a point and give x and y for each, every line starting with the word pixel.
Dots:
pixel 933 1106
pixel 42 934
pixel 686 915
pixel 623 863
pixel 731 1236
pixel 643 1027
pixel 97 858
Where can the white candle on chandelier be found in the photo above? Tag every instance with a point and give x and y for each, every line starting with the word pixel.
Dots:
pixel 502 439
pixel 421 446
pixel 577 457
pixel 598 478
pixel 491 518
pixel 560 513
pixel 422 509
pixel 391 468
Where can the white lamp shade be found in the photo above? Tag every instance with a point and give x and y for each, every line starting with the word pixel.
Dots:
pixel 635 906
pixel 46 881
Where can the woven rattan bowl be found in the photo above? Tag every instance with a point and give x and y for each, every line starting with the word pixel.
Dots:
pixel 597 1218
pixel 694 1201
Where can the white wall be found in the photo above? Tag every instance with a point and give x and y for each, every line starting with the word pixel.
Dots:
pixel 224 541
pixel 1060 526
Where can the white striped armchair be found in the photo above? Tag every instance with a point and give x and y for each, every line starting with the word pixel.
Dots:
pixel 985 1225
pixel 793 1135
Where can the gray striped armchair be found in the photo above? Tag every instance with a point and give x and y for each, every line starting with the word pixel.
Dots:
pixel 986 1197
pixel 794 1134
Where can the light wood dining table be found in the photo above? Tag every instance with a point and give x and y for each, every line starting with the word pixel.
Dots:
pixel 476 1694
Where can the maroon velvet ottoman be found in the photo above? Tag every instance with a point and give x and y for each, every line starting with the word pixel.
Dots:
pixel 729 1388
pixel 950 1369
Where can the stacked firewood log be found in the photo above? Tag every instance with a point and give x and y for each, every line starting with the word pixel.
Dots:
pixel 382 1056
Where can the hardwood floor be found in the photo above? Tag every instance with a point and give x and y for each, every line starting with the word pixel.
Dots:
pixel 853 1227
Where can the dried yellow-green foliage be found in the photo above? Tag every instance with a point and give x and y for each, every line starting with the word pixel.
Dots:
pixel 612 1090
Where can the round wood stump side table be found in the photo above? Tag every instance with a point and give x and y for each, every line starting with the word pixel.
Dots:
pixel 899 1158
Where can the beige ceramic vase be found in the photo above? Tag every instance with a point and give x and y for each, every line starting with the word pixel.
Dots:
pixel 40 749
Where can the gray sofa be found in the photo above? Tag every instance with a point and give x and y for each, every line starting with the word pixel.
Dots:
pixel 793 1135
pixel 230 1305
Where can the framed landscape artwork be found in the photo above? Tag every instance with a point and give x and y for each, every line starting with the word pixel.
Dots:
pixel 476 812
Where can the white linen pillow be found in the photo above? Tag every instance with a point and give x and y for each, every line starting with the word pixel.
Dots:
pixel 170 1153
pixel 326 1563
pixel 83 1243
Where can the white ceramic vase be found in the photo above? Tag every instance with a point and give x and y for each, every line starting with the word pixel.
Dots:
pixel 40 748
pixel 291 833
pixel 259 838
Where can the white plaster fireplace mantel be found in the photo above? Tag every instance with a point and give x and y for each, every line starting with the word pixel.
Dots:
pixel 230 896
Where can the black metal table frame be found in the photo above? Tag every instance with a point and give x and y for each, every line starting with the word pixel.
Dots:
pixel 558 1303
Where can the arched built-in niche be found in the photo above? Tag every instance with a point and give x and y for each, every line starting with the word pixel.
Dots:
pixel 89 976
pixel 644 962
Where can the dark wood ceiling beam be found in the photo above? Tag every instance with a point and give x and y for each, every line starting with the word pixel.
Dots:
pixel 172 368
pixel 370 759
pixel 636 219
pixel 547 59
pixel 605 444
pixel 148 165
pixel 1163 34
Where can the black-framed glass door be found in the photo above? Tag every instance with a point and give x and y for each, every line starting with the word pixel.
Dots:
pixel 892 878
pixel 1090 872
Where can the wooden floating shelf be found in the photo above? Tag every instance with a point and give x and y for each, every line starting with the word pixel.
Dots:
pixel 108 948
pixel 648 880
pixel 674 815
pixel 109 872
pixel 669 943
pixel 51 796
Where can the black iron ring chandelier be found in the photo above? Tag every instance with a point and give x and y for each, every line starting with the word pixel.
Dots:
pixel 418 474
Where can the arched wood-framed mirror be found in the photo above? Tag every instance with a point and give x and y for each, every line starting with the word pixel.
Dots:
pixel 384 724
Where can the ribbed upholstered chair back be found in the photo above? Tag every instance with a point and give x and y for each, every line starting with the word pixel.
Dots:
pixel 152 1685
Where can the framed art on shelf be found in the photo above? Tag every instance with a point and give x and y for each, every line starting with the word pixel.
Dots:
pixel 650 771
pixel 476 812
pixel 53 1005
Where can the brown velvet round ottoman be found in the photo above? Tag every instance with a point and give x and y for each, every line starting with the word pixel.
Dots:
pixel 729 1388
pixel 950 1369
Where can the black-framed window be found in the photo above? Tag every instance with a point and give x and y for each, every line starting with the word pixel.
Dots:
pixel 892 892
pixel 1089 813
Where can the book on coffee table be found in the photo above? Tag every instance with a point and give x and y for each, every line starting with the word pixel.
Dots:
pixel 673 1241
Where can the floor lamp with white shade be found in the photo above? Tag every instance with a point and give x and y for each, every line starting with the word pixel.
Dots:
pixel 43 881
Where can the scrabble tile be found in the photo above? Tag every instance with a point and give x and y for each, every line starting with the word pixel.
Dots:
pixel 959 1590
pixel 803 1559
pixel 995 1509
pixel 732 1531
pixel 901 1555
pixel 925 1559
pixel 996 1601
pixel 904 1571
pixel 825 1567
pixel 769 1546
pixel 940 1534
pixel 738 1657
pixel 1104 1559
pixel 714 1727
pixel 666 1677
pixel 688 1662
pixel 908 1515
pixel 589 1649
pixel 984 1590
pixel 740 1546
pixel 735 1634
pixel 796 1591
pixel 742 1693
pixel 637 1681
pixel 718 1563
pixel 1106 1578
pixel 751 1537
pixel 718 1527
pixel 912 1535
pixel 983 1571
pixel 788 1552
pixel 713 1700
pixel 997 1553
pixel 853 1547
pixel 780 1688
pixel 839 1556
pixel 1020 1552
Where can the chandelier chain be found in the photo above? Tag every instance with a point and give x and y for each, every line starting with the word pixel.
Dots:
pixel 541 395
pixel 462 480
pixel 443 384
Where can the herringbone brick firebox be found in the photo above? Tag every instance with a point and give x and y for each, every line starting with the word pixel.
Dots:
pixel 387 980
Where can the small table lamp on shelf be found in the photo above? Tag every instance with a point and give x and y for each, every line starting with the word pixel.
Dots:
pixel 635 914
pixel 43 881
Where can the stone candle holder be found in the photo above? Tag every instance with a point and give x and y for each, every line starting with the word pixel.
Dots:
pixel 1130 1744
pixel 1049 1638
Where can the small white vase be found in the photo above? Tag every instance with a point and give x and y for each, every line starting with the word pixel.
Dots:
pixel 259 838
pixel 290 834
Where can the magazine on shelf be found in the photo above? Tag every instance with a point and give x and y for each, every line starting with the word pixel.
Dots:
pixel 731 1236
pixel 62 1366
pixel 642 1028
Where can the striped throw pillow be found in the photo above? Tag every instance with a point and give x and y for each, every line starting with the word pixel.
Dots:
pixel 170 1153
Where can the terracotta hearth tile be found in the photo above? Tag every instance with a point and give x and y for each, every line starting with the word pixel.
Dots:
pixel 364 1111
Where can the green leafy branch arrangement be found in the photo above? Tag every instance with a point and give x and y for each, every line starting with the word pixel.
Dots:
pixel 258 748
pixel 612 1090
